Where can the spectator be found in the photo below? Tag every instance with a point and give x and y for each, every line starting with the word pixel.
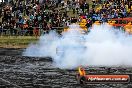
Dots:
pixel 45 14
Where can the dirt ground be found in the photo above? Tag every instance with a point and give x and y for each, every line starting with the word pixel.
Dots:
pixel 17 71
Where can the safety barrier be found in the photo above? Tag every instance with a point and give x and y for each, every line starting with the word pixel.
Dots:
pixel 27 32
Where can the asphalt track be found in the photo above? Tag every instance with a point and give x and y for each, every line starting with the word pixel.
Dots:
pixel 17 71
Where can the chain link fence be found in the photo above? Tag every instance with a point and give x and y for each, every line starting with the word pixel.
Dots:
pixel 31 31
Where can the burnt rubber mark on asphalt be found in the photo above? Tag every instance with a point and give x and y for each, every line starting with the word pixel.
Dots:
pixel 8 82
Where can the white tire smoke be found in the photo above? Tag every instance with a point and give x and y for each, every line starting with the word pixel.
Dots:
pixel 103 45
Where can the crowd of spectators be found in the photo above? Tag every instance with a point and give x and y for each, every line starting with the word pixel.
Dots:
pixel 27 17
pixel 112 9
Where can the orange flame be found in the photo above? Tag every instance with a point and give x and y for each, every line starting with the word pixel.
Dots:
pixel 81 71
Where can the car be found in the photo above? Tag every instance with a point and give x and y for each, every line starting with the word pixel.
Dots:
pixel 74 45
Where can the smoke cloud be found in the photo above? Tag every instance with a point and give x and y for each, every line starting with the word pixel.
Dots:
pixel 102 46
